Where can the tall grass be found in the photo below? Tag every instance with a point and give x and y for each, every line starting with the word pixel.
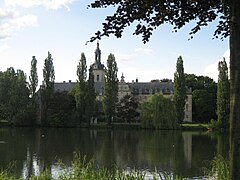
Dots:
pixel 219 169
pixel 85 170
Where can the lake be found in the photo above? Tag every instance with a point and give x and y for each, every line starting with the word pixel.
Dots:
pixel 175 152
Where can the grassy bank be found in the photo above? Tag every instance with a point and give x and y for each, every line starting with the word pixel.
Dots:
pixel 4 123
pixel 194 127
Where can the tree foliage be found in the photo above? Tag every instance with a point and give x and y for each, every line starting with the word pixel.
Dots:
pixel 179 90
pixel 47 89
pixel 158 112
pixel 14 97
pixel 150 14
pixel 223 94
pixel 204 97
pixel 90 97
pixel 81 89
pixel 110 96
pixel 127 109
pixel 48 76
pixel 62 109
pixel 33 78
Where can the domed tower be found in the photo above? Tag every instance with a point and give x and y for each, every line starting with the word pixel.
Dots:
pixel 98 67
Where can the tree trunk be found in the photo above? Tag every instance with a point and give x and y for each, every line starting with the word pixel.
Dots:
pixel 235 90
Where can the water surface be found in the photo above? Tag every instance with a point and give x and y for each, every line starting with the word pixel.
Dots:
pixel 175 152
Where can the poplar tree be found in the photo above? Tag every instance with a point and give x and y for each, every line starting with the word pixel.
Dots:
pixel 179 90
pixel 80 95
pixel 110 96
pixel 47 89
pixel 223 95
pixel 91 96
pixel 48 76
pixel 33 78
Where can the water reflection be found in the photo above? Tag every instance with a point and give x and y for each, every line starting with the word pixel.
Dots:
pixel 175 152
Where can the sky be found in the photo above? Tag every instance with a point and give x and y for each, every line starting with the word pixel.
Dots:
pixel 62 27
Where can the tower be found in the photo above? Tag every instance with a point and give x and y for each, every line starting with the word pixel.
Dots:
pixel 98 67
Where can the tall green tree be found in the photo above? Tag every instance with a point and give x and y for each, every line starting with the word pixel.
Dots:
pixel 62 109
pixel 80 94
pixel 110 96
pixel 14 97
pixel 33 78
pixel 47 89
pixel 204 97
pixel 179 90
pixel 151 14
pixel 127 108
pixel 223 94
pixel 91 96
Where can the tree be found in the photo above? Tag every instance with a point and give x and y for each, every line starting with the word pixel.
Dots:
pixel 91 96
pixel 47 89
pixel 158 112
pixel 127 108
pixel 151 14
pixel 62 109
pixel 223 95
pixel 110 96
pixel 14 97
pixel 179 90
pixel 204 105
pixel 80 95
pixel 48 75
pixel 33 78
pixel 204 97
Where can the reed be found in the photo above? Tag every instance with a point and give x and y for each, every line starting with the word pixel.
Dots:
pixel 85 170
pixel 219 169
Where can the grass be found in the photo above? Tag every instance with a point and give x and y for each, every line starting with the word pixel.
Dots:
pixel 218 169
pixel 81 169
pixel 4 123
pixel 190 126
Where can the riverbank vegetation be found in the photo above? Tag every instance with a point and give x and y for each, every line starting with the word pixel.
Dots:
pixel 87 170
pixel 80 168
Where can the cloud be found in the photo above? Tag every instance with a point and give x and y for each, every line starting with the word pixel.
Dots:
pixel 25 21
pixel 212 69
pixel 145 51
pixel 124 57
pixel 50 4
pixel 10 21
pixel 7 14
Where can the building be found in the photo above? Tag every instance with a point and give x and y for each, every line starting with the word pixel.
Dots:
pixel 141 90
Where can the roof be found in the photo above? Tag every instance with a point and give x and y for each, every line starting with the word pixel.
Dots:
pixel 64 86
pixel 68 86
pixel 151 87
pixel 136 87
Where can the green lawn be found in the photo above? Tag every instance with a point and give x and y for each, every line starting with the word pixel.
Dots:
pixel 188 126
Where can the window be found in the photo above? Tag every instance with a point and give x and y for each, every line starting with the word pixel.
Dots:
pixel 186 107
pixel 97 77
